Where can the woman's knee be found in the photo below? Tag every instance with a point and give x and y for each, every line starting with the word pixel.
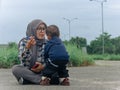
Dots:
pixel 15 69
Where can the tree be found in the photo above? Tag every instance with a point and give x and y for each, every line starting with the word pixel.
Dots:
pixel 96 45
pixel 116 45
pixel 12 45
pixel 78 41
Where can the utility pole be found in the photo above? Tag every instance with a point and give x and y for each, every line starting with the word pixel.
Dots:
pixel 69 24
pixel 102 23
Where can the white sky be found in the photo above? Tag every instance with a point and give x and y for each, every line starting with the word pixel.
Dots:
pixel 16 14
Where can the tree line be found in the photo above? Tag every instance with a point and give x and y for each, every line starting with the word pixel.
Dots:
pixel 111 45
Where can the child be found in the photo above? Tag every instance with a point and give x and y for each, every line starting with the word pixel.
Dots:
pixel 56 57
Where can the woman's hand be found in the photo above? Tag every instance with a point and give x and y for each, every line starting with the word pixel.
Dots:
pixel 37 67
pixel 30 42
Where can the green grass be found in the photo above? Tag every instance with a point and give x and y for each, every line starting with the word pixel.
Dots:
pixel 106 57
pixel 77 58
pixel 8 57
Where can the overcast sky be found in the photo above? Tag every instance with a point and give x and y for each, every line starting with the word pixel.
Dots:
pixel 16 14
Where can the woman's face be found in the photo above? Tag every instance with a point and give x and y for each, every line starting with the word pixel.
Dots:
pixel 40 32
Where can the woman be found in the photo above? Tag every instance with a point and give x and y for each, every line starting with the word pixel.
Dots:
pixel 31 50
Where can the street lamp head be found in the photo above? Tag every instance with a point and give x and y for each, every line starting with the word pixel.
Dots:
pixel 66 19
pixel 69 22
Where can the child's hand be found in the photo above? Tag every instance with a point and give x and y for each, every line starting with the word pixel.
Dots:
pixel 30 42
pixel 37 67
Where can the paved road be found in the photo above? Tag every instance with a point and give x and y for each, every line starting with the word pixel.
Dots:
pixel 105 75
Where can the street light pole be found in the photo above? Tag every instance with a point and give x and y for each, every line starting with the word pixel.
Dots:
pixel 69 23
pixel 103 50
pixel 102 23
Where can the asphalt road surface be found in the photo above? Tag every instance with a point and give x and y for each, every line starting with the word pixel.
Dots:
pixel 105 75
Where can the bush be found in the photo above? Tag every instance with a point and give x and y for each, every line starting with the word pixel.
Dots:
pixel 12 45
pixel 77 58
pixel 8 57
pixel 97 57
pixel 114 57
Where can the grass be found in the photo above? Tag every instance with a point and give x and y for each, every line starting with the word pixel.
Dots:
pixel 77 57
pixel 8 57
pixel 106 57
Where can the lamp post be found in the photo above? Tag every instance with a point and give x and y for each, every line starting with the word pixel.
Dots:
pixel 69 23
pixel 102 22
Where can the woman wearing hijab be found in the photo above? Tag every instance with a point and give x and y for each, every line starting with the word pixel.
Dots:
pixel 31 54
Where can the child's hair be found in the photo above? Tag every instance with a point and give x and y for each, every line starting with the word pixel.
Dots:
pixel 53 30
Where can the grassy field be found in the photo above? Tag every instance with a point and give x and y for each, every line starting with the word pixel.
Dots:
pixel 77 57
pixel 106 57
pixel 9 56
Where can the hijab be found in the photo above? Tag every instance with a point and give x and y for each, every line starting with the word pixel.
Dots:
pixel 31 30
